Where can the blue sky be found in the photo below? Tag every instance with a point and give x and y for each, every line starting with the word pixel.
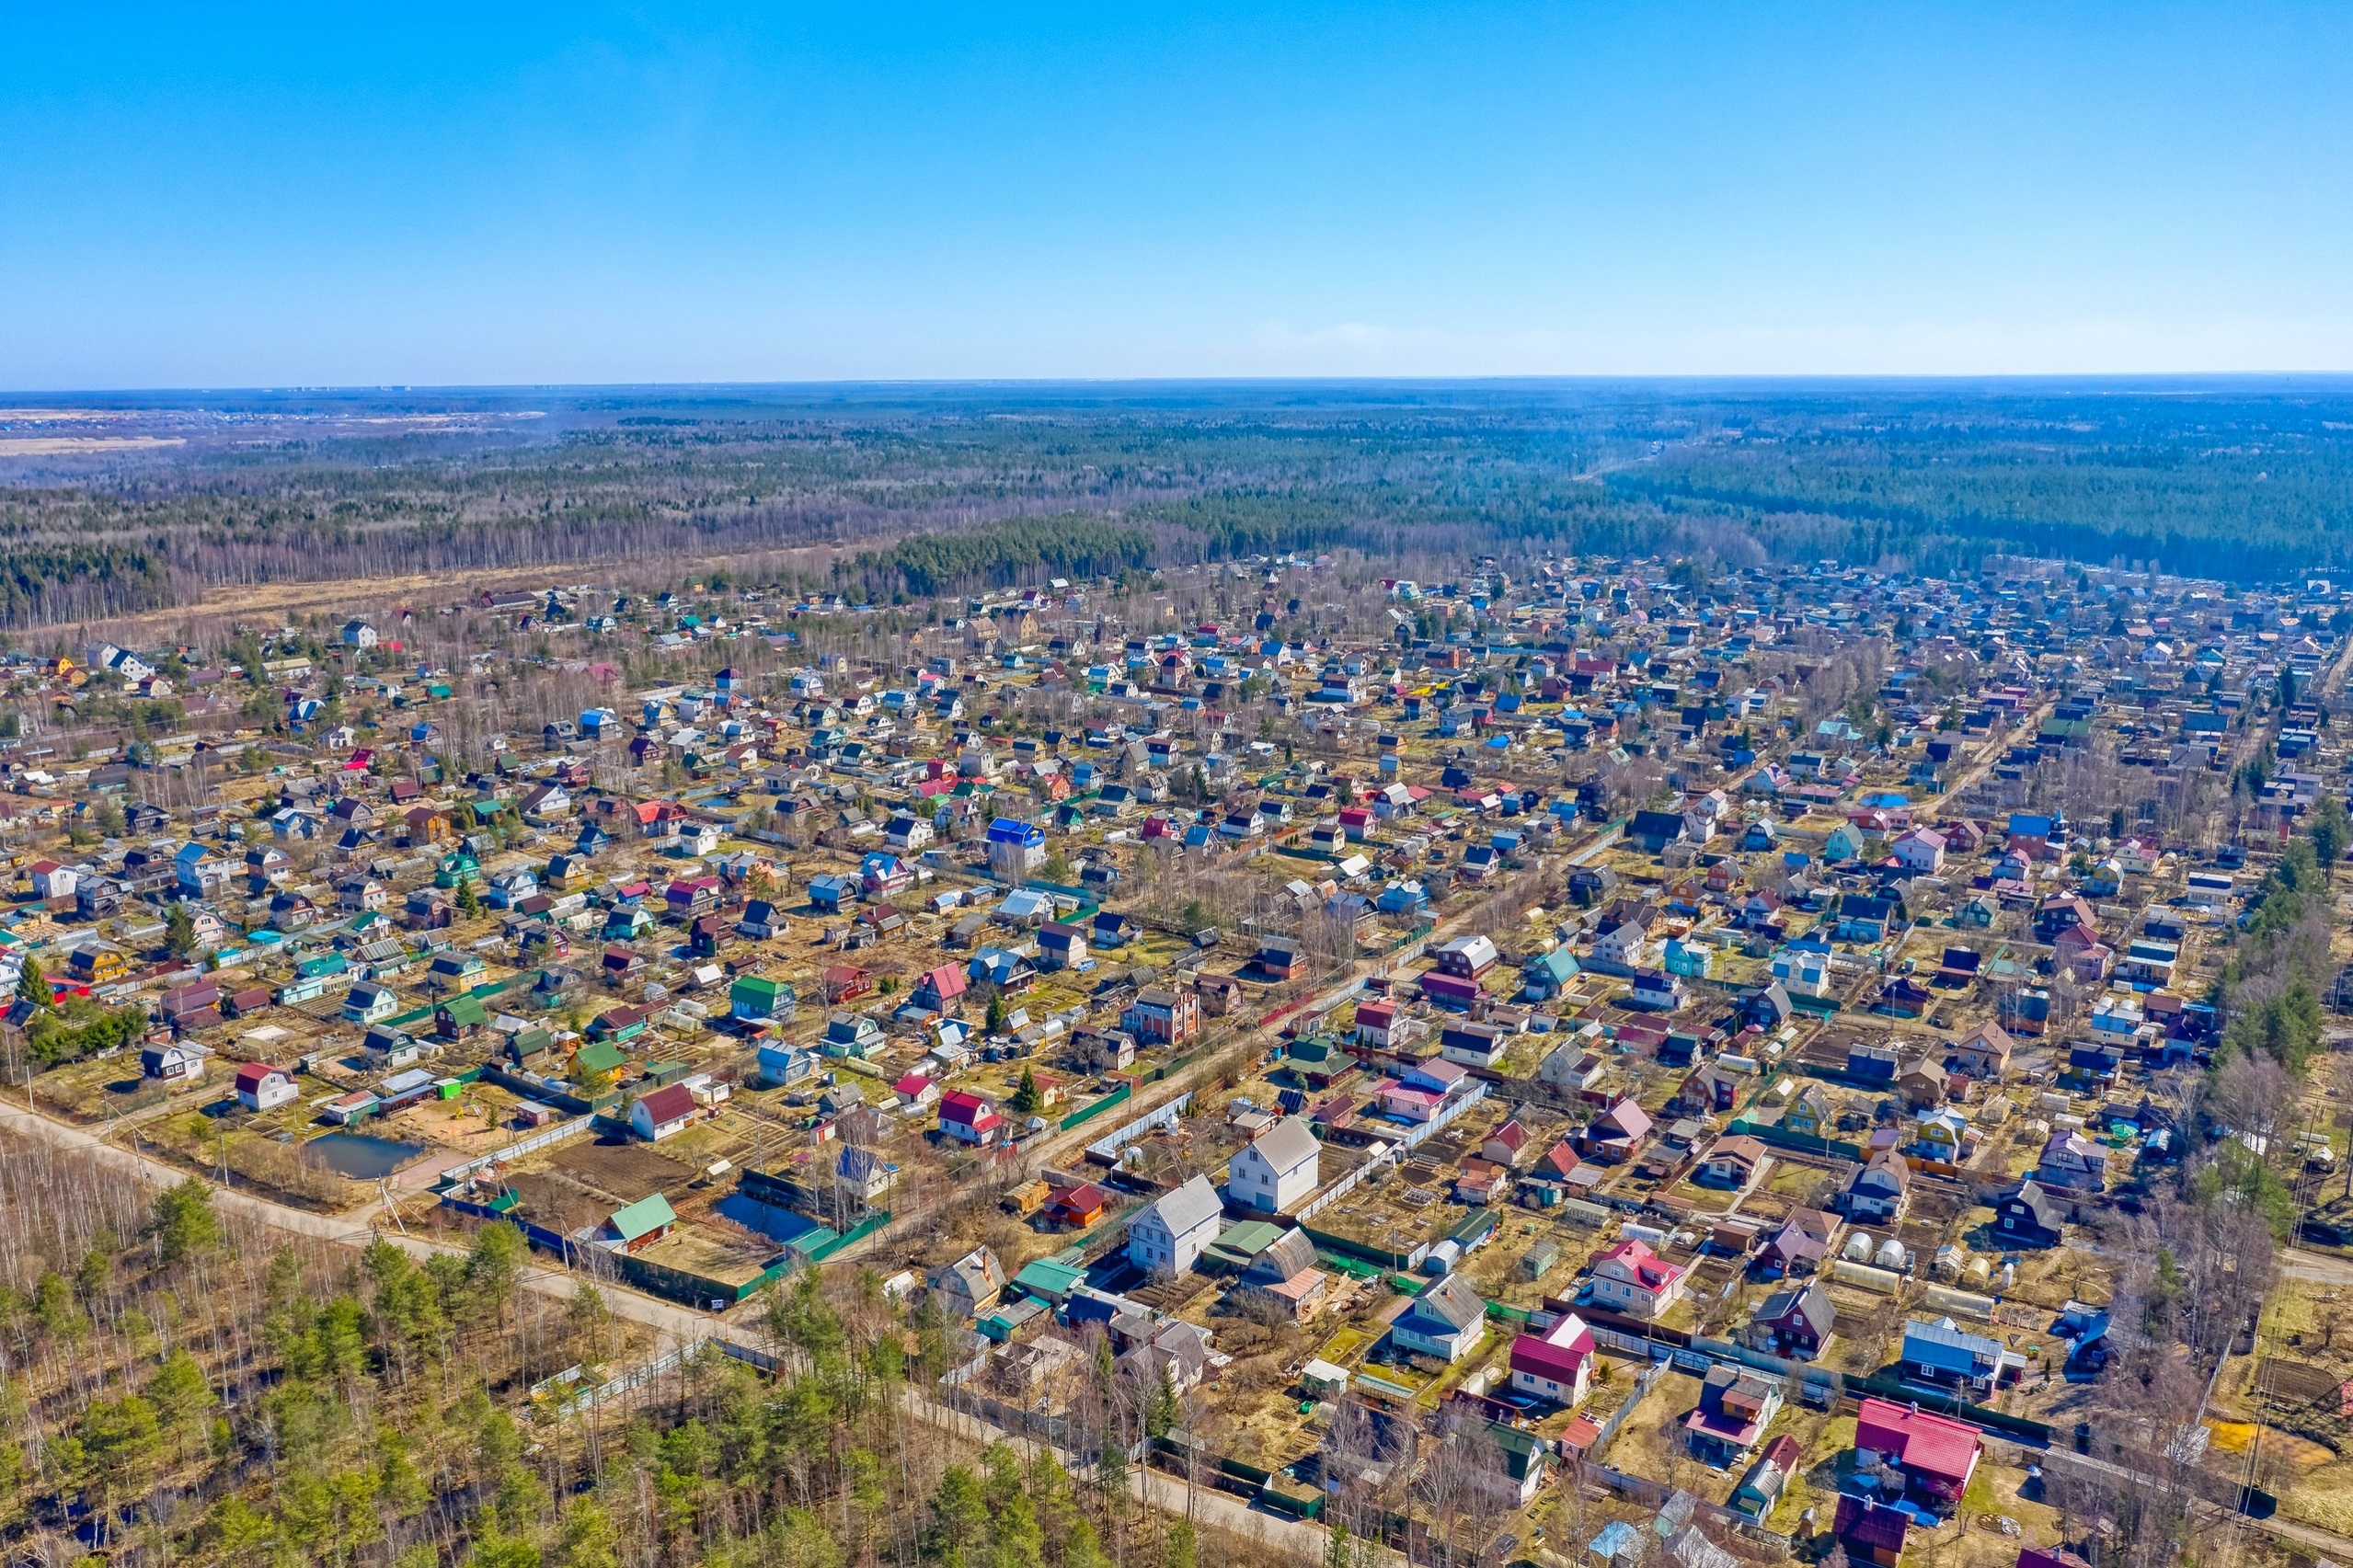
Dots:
pixel 232 196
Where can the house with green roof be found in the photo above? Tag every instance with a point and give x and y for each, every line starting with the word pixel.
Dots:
pixel 1240 1244
pixel 642 1223
pixel 598 1057
pixel 1051 1281
pixel 754 999
pixel 459 1016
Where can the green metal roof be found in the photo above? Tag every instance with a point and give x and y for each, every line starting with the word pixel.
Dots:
pixel 643 1218
pixel 601 1056
pixel 466 1009
pixel 1250 1238
pixel 1054 1281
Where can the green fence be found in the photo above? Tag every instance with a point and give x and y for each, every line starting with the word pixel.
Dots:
pixel 850 1237
pixel 1773 1132
pixel 1342 1245
pixel 1123 1092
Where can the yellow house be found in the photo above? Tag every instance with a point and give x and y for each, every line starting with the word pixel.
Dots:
pixel 97 965
pixel 1808 1113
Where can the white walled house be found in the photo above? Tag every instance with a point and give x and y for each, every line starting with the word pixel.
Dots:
pixel 1635 1281
pixel 261 1087
pixel 1168 1235
pixel 1277 1169
pixel 1921 850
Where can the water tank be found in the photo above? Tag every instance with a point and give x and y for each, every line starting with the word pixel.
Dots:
pixel 1857 1248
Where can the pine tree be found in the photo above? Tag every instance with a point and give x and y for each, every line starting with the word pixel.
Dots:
pixel 179 931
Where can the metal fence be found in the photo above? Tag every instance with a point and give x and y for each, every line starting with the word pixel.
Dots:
pixel 538 1140
pixel 1412 1140
pixel 1107 1148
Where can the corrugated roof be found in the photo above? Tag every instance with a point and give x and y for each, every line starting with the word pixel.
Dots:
pixel 643 1218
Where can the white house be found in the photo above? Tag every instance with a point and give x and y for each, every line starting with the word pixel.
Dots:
pixel 261 1087
pixel 1636 1280
pixel 1448 1320
pixel 665 1111
pixel 1922 850
pixel 1623 936
pixel 51 880
pixel 1277 1169
pixel 1168 1235
pixel 368 1003
pixel 1572 1067
pixel 1556 1364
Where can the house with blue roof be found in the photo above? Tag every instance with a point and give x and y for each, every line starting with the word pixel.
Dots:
pixel 1949 1356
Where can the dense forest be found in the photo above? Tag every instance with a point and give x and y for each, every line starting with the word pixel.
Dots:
pixel 944 488
pixel 177 1385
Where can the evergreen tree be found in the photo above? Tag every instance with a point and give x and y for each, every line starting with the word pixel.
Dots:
pixel 179 931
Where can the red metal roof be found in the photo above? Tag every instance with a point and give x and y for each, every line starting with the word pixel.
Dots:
pixel 1931 1445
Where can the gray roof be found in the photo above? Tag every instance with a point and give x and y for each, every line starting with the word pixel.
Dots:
pixel 1288 1144
pixel 1452 1301
pixel 1812 1302
pixel 1291 1255
pixel 1186 1208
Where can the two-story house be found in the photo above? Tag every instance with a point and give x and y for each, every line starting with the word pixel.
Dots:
pixel 1169 1234
pixel 1275 1170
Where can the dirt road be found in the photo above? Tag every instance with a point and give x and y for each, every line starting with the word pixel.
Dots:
pixel 1047 1153
pixel 673 1323
pixel 343 595
pixel 354 1229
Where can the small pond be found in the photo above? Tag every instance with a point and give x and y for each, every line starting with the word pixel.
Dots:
pixel 361 1156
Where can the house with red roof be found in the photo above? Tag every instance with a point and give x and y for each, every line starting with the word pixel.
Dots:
pixel 1556 1365
pixel 915 1091
pixel 1077 1207
pixel 1380 1023
pixel 968 1118
pixel 1556 1162
pixel 1919 1453
pixel 262 1087
pixel 942 986
pixel 665 1111
pixel 1634 1280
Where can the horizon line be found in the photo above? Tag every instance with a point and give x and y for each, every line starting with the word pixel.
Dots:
pixel 2105 379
